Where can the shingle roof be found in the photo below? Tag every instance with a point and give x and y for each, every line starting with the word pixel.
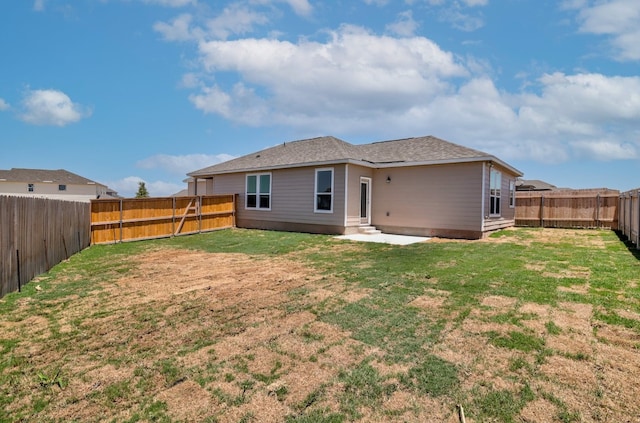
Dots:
pixel 60 176
pixel 420 150
pixel 534 185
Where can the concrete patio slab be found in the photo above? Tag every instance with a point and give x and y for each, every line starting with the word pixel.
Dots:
pixel 385 238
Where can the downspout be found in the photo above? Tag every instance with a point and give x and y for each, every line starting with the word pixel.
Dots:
pixel 482 199
pixel 638 229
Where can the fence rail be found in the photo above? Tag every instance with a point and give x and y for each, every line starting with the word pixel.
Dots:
pixel 36 234
pixel 568 209
pixel 119 220
pixel 629 215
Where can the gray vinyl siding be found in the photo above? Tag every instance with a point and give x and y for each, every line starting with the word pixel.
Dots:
pixel 292 196
pixel 429 197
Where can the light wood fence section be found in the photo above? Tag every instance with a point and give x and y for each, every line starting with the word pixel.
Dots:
pixel 568 209
pixel 629 216
pixel 36 234
pixel 119 220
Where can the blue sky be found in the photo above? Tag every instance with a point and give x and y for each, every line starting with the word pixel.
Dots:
pixel 121 91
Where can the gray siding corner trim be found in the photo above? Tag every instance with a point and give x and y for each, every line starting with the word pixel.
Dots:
pixel 346 193
pixel 483 194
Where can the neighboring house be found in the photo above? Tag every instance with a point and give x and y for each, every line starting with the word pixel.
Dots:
pixel 534 185
pixel 56 184
pixel 416 186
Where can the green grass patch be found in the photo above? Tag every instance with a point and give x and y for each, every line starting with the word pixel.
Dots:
pixel 383 322
pixel 515 340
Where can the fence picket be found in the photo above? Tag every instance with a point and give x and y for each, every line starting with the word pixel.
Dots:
pixel 32 236
pixel 150 218
pixel 568 209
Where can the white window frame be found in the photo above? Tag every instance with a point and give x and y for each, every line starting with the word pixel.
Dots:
pixel 316 193
pixel 512 194
pixel 31 187
pixel 495 191
pixel 62 187
pixel 257 193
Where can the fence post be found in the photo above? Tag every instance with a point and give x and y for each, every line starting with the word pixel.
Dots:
pixel 597 210
pixel 199 211
pixel 18 266
pixel 121 217
pixel 173 218
pixel 541 211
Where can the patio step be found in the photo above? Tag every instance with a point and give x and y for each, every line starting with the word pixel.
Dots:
pixel 369 230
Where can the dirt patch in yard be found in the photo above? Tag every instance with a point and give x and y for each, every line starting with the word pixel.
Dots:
pixel 228 337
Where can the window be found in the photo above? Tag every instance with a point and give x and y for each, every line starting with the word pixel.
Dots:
pixel 259 191
pixel 495 183
pixel 30 187
pixel 512 194
pixel 62 187
pixel 324 191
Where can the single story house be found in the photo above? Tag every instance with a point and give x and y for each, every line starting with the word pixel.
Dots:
pixel 416 186
pixel 55 184
pixel 534 185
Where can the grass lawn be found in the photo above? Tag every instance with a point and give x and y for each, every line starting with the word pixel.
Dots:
pixel 529 325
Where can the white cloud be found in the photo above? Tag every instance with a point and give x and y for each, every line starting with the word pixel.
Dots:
pixel 472 3
pixel 3 105
pixel 235 19
pixel 51 107
pixel 300 7
pixel 181 165
pixel 350 73
pixel 171 3
pixel 190 80
pixel 617 19
pixel 347 84
pixel 163 189
pixel 38 5
pixel 179 29
pixel 128 187
pixel 404 26
pixel 460 20
pixel 606 149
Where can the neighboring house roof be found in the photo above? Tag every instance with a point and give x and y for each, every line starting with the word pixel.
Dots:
pixel 181 193
pixel 327 150
pixel 60 176
pixel 534 185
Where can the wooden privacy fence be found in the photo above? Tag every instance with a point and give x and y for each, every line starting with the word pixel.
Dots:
pixel 568 209
pixel 118 220
pixel 629 215
pixel 36 234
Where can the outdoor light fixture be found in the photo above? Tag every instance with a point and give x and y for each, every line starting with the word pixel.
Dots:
pixel 388 179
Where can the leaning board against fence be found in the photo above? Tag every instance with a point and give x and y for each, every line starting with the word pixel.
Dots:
pixel 568 209
pixel 36 234
pixel 629 215
pixel 118 220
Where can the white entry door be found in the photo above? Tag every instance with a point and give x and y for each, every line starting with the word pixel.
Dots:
pixel 365 201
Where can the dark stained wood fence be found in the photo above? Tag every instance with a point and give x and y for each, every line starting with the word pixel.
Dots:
pixel 568 209
pixel 119 220
pixel 36 234
pixel 629 215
